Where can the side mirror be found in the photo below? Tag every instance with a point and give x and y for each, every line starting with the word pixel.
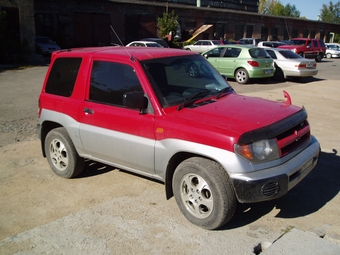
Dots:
pixel 135 100
pixel 206 56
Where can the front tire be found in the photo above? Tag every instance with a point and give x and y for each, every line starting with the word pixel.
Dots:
pixel 62 155
pixel 204 193
pixel 329 55
pixel 241 76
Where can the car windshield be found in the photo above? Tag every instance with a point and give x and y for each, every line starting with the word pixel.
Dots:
pixel 289 54
pixel 297 42
pixel 177 79
pixel 333 47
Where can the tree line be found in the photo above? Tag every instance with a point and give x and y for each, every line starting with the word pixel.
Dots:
pixel 328 13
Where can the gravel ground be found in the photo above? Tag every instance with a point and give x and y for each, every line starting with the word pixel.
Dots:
pixel 108 211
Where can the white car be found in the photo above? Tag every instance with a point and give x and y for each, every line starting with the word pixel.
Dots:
pixel 144 44
pixel 270 44
pixel 332 51
pixel 289 64
pixel 253 41
pixel 203 45
pixel 333 44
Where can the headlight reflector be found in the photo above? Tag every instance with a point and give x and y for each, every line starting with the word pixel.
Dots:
pixel 258 151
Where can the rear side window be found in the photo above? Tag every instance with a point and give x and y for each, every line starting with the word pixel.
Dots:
pixel 232 53
pixel 63 76
pixel 258 53
pixel 110 81
pixel 271 54
pixel 214 53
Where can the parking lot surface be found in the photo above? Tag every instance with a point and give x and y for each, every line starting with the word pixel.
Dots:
pixel 109 211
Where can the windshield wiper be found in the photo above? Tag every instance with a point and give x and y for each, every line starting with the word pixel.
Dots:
pixel 192 99
pixel 223 92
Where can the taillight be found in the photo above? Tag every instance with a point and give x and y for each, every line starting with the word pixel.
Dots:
pixel 301 65
pixel 253 63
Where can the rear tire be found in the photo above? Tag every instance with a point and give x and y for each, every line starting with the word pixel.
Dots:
pixel 242 76
pixel 204 193
pixel 279 75
pixel 62 155
pixel 329 55
pixel 319 57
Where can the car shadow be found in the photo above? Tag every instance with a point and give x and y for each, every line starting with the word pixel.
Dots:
pixel 309 196
pixel 272 81
pixel 93 168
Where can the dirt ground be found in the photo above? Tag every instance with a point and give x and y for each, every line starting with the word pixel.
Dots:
pixel 107 210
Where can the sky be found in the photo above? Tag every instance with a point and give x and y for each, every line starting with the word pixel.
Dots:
pixel 308 8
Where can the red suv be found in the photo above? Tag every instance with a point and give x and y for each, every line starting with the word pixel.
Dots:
pixel 140 110
pixel 307 48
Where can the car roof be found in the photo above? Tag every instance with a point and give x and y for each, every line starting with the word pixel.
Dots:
pixel 122 52
pixel 243 46
pixel 149 42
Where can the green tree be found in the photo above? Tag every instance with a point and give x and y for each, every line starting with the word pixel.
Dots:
pixel 291 11
pixel 331 12
pixel 275 7
pixel 166 24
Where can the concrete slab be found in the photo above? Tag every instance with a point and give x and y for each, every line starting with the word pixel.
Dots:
pixel 300 243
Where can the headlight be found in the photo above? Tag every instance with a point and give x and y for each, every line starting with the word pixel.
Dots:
pixel 259 151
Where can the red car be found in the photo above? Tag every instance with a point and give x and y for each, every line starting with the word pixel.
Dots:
pixel 140 109
pixel 307 48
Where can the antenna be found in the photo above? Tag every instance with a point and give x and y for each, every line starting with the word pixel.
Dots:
pixel 122 44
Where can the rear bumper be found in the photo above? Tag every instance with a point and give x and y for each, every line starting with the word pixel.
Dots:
pixel 301 73
pixel 275 182
pixel 261 72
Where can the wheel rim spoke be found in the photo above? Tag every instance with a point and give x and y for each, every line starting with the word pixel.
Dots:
pixel 59 155
pixel 196 195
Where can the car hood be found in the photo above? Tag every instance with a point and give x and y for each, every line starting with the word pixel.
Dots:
pixel 235 114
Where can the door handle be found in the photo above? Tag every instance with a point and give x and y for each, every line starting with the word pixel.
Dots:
pixel 87 110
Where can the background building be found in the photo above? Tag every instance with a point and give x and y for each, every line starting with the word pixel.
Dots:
pixel 78 23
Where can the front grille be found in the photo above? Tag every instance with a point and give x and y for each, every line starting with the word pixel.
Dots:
pixel 270 189
pixel 293 138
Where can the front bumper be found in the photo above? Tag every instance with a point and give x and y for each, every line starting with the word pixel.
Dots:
pixel 275 182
